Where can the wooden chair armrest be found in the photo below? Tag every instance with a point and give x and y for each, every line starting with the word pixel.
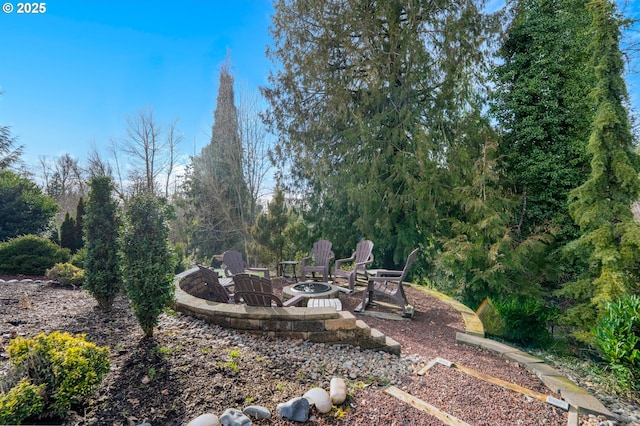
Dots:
pixel 387 273
pixel 264 270
pixel 346 260
pixel 294 301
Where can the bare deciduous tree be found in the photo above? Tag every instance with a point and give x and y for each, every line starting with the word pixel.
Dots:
pixel 255 143
pixel 143 145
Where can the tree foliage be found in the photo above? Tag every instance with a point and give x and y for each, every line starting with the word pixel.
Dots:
pixel 30 255
pixel 601 206
pixel 24 209
pixel 217 187
pixel 10 152
pixel 101 228
pixel 68 233
pixel 543 110
pixel 80 212
pixel 269 230
pixel 487 258
pixel 147 261
pixel 366 103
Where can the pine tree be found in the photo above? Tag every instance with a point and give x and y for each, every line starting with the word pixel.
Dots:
pixel 101 228
pixel 601 207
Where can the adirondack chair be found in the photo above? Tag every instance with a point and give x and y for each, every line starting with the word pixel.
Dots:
pixel 388 283
pixel 360 258
pixel 317 261
pixel 235 264
pixel 258 291
pixel 214 290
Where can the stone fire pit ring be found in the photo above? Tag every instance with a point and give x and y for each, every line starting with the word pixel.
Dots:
pixel 311 290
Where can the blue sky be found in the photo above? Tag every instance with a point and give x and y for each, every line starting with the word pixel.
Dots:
pixel 71 75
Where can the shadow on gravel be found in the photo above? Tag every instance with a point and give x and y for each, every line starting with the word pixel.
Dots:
pixel 143 390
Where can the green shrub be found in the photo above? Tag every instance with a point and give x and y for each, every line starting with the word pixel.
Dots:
pixel 525 320
pixel 179 258
pixel 618 338
pixel 147 261
pixel 66 274
pixel 79 258
pixel 24 209
pixel 101 227
pixel 68 367
pixel 30 255
pixel 22 401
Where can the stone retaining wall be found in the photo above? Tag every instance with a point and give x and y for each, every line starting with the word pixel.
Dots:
pixel 322 325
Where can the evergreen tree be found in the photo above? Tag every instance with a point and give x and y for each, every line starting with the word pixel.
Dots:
pixel 216 184
pixel 24 209
pixel 601 207
pixel 68 233
pixel 80 212
pixel 269 230
pixel 366 104
pixel 147 261
pixel 543 110
pixel 101 227
pixel 9 153
pixel 487 258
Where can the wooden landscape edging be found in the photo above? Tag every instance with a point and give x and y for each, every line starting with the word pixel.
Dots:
pixel 502 383
pixel 447 419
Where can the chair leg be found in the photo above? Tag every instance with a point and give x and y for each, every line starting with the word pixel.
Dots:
pixel 366 299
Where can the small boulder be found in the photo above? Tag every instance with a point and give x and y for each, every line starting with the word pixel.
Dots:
pixel 233 417
pixel 337 391
pixel 296 409
pixel 257 411
pixel 207 419
pixel 320 398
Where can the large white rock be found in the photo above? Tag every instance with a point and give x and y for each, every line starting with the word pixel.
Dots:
pixel 337 390
pixel 320 398
pixel 207 419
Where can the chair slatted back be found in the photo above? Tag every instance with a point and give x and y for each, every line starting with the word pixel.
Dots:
pixel 322 253
pixel 254 290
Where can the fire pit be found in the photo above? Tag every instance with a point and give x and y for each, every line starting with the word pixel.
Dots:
pixel 310 287
pixel 310 290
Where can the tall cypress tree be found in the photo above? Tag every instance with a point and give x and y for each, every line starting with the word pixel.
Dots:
pixel 80 212
pixel 101 227
pixel 601 207
pixel 68 233
pixel 216 184
pixel 147 262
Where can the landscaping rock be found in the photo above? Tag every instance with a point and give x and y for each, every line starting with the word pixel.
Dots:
pixel 320 398
pixel 233 417
pixel 207 419
pixel 296 409
pixel 337 391
pixel 257 411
